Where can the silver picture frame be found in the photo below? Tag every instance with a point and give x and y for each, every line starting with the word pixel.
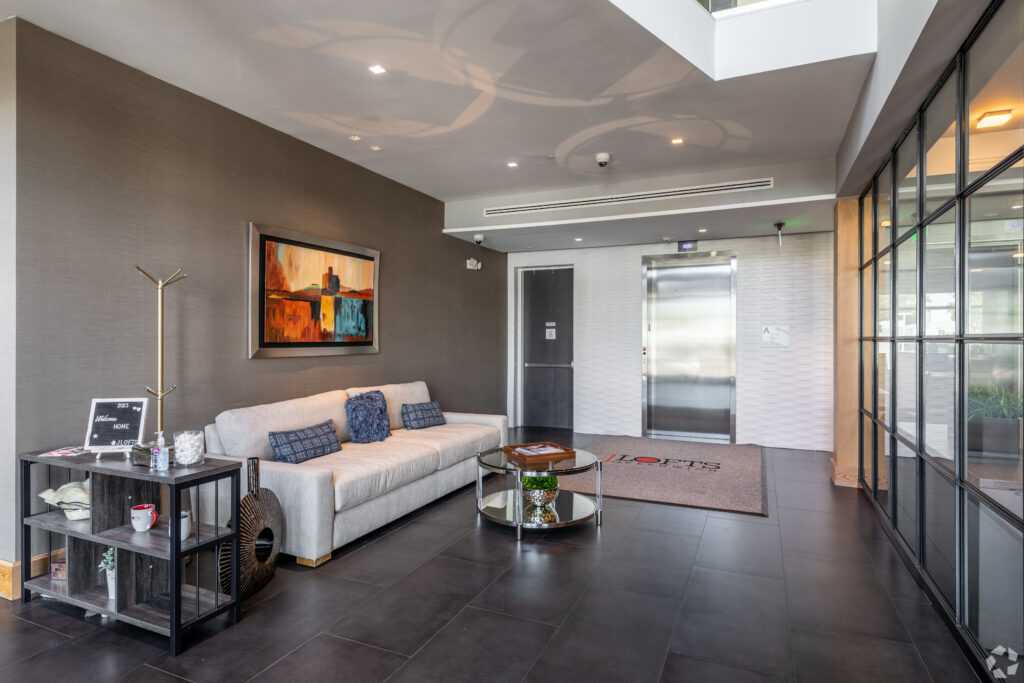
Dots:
pixel 258 348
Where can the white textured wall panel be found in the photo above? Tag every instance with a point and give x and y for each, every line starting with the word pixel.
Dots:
pixel 783 395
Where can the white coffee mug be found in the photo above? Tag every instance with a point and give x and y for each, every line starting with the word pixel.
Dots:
pixel 186 525
pixel 143 516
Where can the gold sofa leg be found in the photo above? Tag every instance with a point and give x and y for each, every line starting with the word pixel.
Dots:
pixel 306 562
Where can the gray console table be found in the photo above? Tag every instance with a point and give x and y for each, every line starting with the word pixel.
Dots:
pixel 152 592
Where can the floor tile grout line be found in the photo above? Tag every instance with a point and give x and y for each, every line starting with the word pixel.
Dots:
pixel 169 673
pixel 456 616
pixel 282 657
pixel 359 642
pixel 558 628
pixel 45 628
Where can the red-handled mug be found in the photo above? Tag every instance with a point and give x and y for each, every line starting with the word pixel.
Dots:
pixel 144 516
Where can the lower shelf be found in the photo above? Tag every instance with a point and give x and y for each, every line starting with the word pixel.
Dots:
pixel 568 509
pixel 93 599
pixel 152 615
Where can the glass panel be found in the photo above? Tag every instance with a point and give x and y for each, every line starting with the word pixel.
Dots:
pixel 866 241
pixel 906 188
pixel 993 579
pixel 883 444
pixel 867 275
pixel 995 90
pixel 906 495
pixel 994 422
pixel 940 276
pixel 866 358
pixel 906 389
pixel 882 324
pixel 883 370
pixel 940 147
pixel 939 403
pixel 883 191
pixel 940 532
pixel 867 431
pixel 995 255
pixel 906 288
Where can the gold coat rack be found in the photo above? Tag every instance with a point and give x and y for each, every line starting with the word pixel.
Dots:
pixel 160 392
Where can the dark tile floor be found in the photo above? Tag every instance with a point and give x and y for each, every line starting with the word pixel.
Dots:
pixel 813 592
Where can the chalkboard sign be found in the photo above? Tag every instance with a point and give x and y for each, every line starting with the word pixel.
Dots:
pixel 116 424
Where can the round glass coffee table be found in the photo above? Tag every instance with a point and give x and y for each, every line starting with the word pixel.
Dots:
pixel 507 506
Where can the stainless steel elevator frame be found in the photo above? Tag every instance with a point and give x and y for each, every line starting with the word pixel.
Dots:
pixel 695 259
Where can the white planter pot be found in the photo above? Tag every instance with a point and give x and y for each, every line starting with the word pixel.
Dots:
pixel 111 585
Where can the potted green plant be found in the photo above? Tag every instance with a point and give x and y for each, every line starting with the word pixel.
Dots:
pixel 540 490
pixel 108 565
pixel 993 420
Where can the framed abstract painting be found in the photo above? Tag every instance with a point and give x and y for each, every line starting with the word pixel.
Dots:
pixel 310 296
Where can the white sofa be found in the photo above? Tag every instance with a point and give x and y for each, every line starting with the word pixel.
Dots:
pixel 334 499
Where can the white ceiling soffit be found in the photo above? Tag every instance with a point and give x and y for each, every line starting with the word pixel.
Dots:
pixel 471 85
pixel 774 34
pixel 810 215
pixel 916 41
pixel 740 203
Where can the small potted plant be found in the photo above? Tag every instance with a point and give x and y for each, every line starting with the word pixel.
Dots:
pixel 540 490
pixel 108 565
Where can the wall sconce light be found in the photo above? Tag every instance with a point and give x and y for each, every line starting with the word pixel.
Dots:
pixel 473 264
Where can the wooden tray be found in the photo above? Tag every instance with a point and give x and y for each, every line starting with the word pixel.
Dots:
pixel 521 458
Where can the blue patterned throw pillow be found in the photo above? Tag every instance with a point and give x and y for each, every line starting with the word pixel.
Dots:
pixel 368 417
pixel 300 445
pixel 421 415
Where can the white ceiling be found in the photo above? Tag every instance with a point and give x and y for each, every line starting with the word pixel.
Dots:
pixel 471 85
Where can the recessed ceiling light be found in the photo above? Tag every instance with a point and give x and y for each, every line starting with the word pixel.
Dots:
pixel 578 239
pixel 991 119
pixel 375 148
pixel 354 138
pixel 677 141
pixel 703 230
pixel 977 270
pixel 1019 254
pixel 1017 206
pixel 885 263
pixel 512 164
pixel 378 69
pixel 886 224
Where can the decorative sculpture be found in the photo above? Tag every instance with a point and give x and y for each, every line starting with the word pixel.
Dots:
pixel 259 538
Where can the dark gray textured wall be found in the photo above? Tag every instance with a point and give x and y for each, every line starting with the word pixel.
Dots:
pixel 116 167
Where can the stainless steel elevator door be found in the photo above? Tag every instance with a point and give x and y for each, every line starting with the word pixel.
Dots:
pixel 690 347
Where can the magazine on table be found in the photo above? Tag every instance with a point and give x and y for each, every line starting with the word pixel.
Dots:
pixel 65 452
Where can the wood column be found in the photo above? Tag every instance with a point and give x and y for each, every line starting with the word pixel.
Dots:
pixel 846 343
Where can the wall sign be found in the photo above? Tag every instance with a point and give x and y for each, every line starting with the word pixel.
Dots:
pixel 549 333
pixel 775 335
pixel 116 424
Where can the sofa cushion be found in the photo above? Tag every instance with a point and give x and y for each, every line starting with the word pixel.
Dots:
pixel 243 431
pixel 365 471
pixel 452 442
pixel 421 415
pixel 396 395
pixel 368 417
pixel 299 445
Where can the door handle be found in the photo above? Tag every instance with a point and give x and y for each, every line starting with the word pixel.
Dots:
pixel 547 365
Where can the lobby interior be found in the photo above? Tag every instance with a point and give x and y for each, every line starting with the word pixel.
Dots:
pixel 861 161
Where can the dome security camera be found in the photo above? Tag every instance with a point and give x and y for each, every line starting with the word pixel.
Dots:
pixel 478 238
pixel 603 159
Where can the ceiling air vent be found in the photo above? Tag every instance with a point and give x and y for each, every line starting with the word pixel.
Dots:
pixel 632 197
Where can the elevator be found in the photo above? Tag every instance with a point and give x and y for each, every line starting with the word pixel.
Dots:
pixel 689 346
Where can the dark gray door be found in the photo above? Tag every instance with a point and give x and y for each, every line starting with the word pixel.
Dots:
pixel 547 348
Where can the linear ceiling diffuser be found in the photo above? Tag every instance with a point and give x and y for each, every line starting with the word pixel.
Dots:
pixel 632 197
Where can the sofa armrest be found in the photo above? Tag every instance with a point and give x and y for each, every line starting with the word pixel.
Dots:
pixel 498 421
pixel 306 494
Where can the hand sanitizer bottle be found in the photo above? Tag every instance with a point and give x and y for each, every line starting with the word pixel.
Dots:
pixel 161 454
